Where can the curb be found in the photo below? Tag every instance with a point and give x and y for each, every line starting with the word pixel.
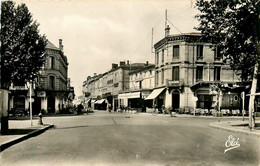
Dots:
pixel 233 129
pixel 25 137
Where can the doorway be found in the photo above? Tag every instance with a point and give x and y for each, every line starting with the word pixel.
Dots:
pixel 175 101
pixel 51 104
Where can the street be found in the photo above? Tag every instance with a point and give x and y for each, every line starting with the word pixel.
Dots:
pixel 106 138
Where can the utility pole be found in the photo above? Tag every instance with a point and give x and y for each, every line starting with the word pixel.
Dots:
pixel 152 43
pixel 165 20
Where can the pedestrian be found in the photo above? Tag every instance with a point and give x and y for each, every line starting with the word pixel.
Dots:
pixel 154 109
pixel 80 107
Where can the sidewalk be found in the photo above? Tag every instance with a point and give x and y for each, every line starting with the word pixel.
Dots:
pixel 237 126
pixel 20 130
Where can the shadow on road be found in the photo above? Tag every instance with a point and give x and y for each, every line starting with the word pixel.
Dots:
pixel 17 131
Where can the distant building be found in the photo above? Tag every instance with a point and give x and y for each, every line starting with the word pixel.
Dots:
pixel 52 91
pixel 141 85
pixel 186 67
pixel 102 90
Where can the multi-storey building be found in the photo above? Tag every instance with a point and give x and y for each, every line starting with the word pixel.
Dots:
pixel 185 70
pixel 52 91
pixel 141 85
pixel 104 88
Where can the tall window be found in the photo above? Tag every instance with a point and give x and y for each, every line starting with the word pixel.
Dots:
pixel 52 62
pixel 156 77
pixel 52 82
pixel 175 73
pixel 176 51
pixel 199 73
pixel 140 85
pixel 217 53
pixel 157 58
pixel 216 73
pixel 162 76
pixel 199 51
pixel 162 55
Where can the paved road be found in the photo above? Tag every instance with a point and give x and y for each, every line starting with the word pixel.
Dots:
pixel 123 139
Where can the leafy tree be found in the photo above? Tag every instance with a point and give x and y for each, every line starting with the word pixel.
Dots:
pixel 22 47
pixel 233 26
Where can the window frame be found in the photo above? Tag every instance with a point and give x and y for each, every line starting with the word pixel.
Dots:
pixel 199 72
pixel 200 48
pixel 177 76
pixel 173 51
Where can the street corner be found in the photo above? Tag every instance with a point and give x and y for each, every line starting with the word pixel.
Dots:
pixel 11 137
pixel 237 127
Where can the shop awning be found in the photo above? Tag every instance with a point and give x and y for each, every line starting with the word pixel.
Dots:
pixel 100 101
pixel 154 94
pixel 131 95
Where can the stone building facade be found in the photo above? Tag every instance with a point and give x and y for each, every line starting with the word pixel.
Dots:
pixel 103 89
pixel 141 85
pixel 52 92
pixel 185 69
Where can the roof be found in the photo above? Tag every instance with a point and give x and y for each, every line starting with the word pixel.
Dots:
pixel 145 68
pixel 188 37
pixel 51 46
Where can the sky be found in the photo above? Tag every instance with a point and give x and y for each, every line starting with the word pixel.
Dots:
pixel 97 33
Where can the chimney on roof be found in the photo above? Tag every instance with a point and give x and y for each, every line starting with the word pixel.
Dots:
pixel 114 65
pixel 60 44
pixel 147 63
pixel 167 30
pixel 95 74
pixel 128 62
pixel 122 63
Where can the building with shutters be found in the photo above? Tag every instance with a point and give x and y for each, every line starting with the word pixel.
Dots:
pixel 186 68
pixel 141 85
pixel 102 91
pixel 52 92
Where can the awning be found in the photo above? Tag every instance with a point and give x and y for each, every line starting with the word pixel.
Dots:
pixel 154 94
pixel 129 95
pixel 100 101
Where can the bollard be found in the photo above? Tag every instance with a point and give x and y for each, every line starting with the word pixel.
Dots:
pixel 40 119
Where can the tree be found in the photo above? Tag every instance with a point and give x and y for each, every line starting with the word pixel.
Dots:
pixel 233 26
pixel 22 51
pixel 22 47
